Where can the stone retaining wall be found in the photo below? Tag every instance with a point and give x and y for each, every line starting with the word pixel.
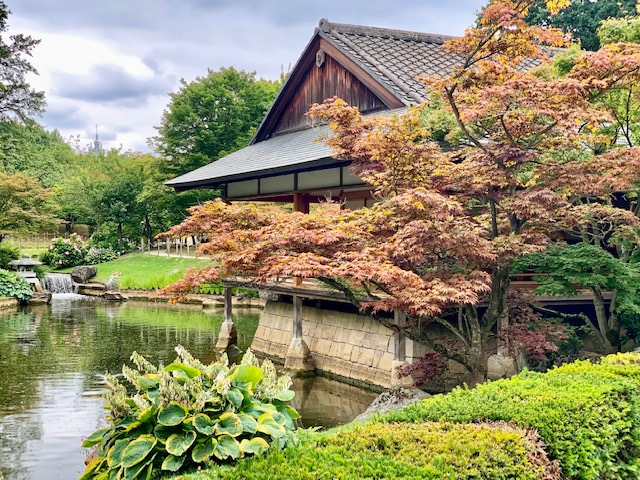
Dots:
pixel 349 345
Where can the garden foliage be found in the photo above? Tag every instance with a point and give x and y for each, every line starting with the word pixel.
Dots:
pixel 418 451
pixel 578 421
pixel 188 414
pixel 97 255
pixel 13 285
pixel 587 414
pixel 8 252
pixel 65 252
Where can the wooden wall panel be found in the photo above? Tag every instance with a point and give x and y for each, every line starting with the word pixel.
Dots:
pixel 329 80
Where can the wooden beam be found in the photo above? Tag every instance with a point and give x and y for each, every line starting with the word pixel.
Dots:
pixel 383 93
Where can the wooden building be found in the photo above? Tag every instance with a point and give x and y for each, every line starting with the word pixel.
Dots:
pixel 375 69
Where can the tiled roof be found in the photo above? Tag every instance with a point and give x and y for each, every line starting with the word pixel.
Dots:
pixel 395 57
pixel 273 155
pixel 276 155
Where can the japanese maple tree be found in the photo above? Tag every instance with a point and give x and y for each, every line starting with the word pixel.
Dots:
pixel 449 222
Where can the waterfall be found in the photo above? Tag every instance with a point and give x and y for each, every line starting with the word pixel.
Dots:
pixel 60 283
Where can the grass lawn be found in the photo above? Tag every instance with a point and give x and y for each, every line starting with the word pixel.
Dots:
pixel 146 272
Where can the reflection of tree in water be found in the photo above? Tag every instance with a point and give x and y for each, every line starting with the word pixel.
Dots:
pixel 87 338
pixel 16 431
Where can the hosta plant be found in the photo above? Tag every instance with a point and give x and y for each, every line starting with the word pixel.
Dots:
pixel 188 414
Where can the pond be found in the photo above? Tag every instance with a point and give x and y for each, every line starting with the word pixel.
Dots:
pixel 52 359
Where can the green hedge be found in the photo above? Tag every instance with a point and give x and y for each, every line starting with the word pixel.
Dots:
pixel 426 451
pixel 588 415
pixel 581 418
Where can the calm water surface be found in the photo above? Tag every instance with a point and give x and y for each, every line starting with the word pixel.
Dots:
pixel 51 363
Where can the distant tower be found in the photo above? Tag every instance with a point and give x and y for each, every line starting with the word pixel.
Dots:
pixel 96 148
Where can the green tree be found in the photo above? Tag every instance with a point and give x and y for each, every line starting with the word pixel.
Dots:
pixel 581 18
pixel 24 205
pixel 17 98
pixel 623 102
pixel 27 147
pixel 211 117
pixel 568 270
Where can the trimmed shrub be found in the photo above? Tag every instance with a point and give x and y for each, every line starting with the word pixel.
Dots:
pixel 13 285
pixel 406 451
pixel 65 252
pixel 188 415
pixel 8 252
pixel 96 255
pixel 587 414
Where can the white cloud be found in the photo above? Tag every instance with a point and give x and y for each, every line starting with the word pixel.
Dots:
pixel 112 64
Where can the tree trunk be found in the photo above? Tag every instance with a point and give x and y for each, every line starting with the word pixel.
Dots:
pixel 497 299
pixel 602 318
pixel 477 366
pixel 147 228
pixel 120 240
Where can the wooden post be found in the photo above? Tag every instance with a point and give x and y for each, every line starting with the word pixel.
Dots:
pixel 298 357
pixel 228 334
pixel 399 351
pixel 300 204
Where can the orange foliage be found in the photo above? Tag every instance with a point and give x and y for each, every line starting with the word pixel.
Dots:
pixel 448 223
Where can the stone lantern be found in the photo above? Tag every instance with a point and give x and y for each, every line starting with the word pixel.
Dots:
pixel 26 268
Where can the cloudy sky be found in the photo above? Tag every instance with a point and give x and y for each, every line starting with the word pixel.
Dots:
pixel 112 63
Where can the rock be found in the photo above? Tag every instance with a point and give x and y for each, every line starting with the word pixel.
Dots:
pixel 394 399
pixel 40 298
pixel 112 296
pixel 83 274
pixel 112 282
pixel 94 289
pixel 501 366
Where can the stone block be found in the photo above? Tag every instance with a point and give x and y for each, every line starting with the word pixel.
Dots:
pixel 355 353
pixel 382 330
pixel 501 366
pixel 345 351
pixel 312 315
pixel 384 362
pixel 323 346
pixel 366 357
pixel 334 350
pixel 363 373
pixel 377 342
pixel 383 379
pixel 342 335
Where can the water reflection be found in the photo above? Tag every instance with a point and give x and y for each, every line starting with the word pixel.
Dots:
pixel 52 359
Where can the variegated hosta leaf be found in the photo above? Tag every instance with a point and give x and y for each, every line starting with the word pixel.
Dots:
pixel 227 447
pixel 255 446
pixel 203 451
pixel 172 414
pixel 137 450
pixel 179 443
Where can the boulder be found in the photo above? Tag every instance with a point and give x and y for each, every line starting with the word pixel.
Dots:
pixel 394 399
pixel 40 298
pixel 83 274
pixel 501 366
pixel 114 296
